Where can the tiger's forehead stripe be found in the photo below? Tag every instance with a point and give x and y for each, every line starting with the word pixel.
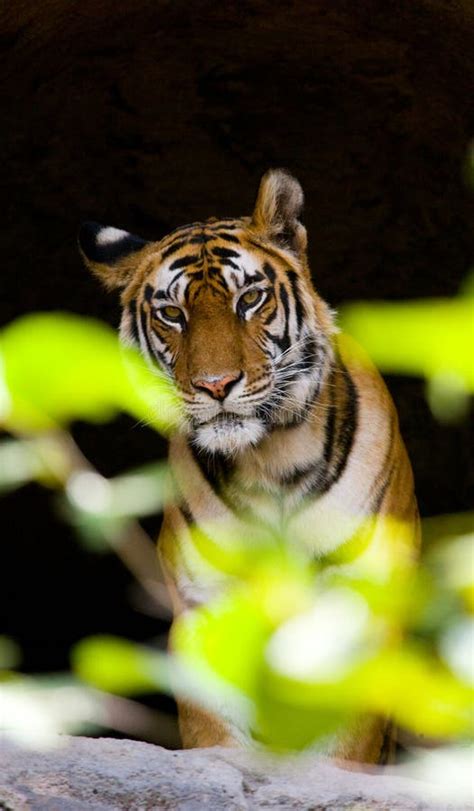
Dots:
pixel 225 270
pixel 200 232
pixel 185 254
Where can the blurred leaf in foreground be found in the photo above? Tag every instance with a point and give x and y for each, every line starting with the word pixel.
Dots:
pixel 34 711
pixel 58 367
pixel 303 680
pixel 18 464
pixel 100 508
pixel 116 665
pixel 433 339
pixel 451 561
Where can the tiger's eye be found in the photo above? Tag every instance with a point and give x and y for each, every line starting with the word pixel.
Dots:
pixel 251 297
pixel 173 313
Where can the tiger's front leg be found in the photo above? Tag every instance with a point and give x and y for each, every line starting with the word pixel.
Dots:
pixel 198 727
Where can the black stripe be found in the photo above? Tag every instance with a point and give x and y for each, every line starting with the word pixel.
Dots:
pixel 269 271
pixel 277 342
pixel 293 277
pixel 171 249
pixel 382 480
pixel 215 273
pixel 172 282
pixel 345 437
pixel 193 289
pixel 227 237
pixel 337 447
pixel 148 292
pixel 186 512
pixel 225 253
pixel 216 468
pixel 349 424
pixel 145 333
pixel 132 309
pixel 282 343
pixel 330 421
pixel 191 226
pixel 153 353
pixel 284 298
pixel 200 239
pixel 260 388
pixel 271 317
pixel 157 353
pixel 184 261
pixel 298 474
pixel 382 489
pixel 311 356
pixel 230 263
pixel 312 353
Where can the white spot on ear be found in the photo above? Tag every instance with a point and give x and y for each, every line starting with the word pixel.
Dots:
pixel 109 235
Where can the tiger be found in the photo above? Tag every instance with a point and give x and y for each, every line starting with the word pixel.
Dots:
pixel 281 419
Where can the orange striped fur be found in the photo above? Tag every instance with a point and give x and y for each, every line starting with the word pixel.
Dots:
pixel 284 421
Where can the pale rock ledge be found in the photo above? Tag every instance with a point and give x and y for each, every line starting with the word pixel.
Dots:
pixel 110 775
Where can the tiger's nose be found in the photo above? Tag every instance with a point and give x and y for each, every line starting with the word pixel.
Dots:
pixel 217 387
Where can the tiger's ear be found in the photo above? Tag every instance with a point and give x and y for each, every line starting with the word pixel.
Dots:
pixel 110 253
pixel 277 210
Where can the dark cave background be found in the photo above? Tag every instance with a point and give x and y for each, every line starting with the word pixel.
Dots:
pixel 147 115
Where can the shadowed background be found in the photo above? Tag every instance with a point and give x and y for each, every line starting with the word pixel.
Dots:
pixel 148 115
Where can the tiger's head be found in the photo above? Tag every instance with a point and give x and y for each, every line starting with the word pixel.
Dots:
pixel 226 307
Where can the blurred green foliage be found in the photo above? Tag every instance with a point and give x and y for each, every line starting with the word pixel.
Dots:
pixel 432 339
pixel 119 666
pixel 59 367
pixel 268 640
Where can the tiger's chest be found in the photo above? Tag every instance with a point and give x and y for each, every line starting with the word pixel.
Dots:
pixel 288 485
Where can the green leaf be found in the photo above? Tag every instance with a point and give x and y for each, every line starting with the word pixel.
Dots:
pixel 119 666
pixel 230 635
pixel 405 684
pixel 229 638
pixel 423 338
pixel 59 367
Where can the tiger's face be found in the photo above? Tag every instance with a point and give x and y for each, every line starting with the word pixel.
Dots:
pixel 227 309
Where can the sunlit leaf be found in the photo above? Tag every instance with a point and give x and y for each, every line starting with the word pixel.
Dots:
pixel 229 638
pixel 428 338
pixel 448 396
pixel 59 367
pixel 405 684
pixel 242 620
pixel 119 666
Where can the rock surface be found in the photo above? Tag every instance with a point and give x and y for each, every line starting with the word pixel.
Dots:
pixel 109 775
